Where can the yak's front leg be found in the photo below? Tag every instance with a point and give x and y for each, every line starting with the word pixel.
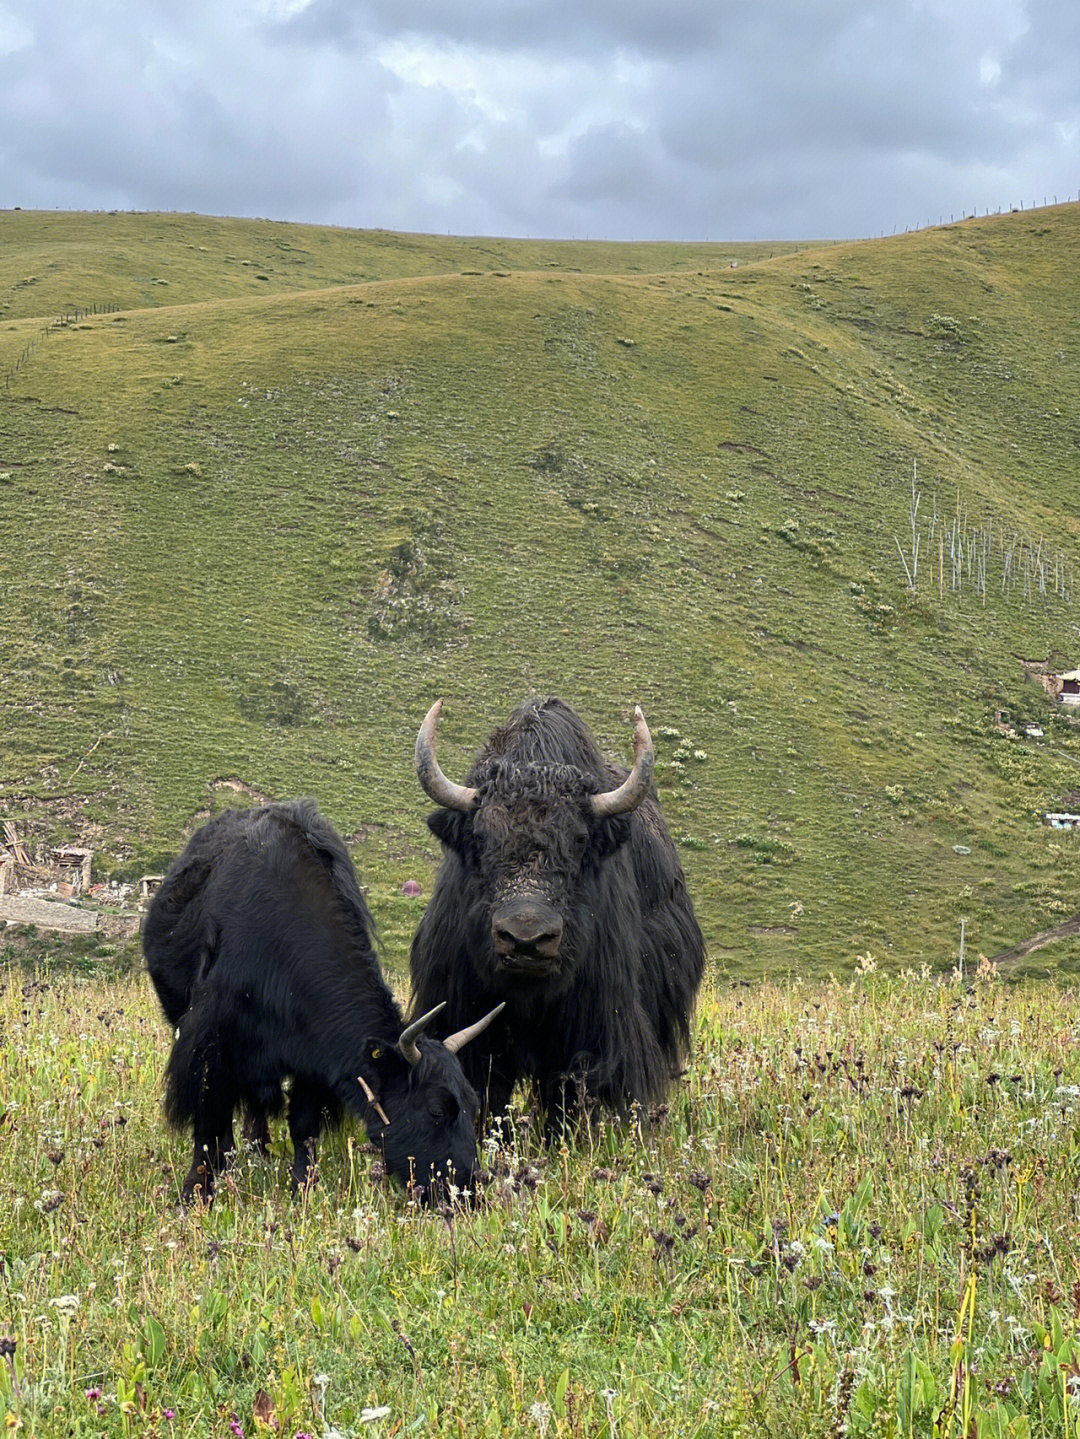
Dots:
pixel 308 1101
pixel 256 1128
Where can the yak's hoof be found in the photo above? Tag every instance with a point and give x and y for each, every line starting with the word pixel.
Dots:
pixel 305 1180
pixel 198 1188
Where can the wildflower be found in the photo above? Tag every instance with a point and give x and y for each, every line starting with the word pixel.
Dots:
pixel 235 1427
pixel 540 1414
pixel 823 1327
pixel 168 1413
pixel 369 1416
pixel 93 1395
pixel 66 1303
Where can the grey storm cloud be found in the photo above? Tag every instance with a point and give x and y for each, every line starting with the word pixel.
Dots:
pixel 755 119
pixel 675 28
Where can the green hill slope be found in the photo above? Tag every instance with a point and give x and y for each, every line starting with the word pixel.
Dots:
pixel 55 263
pixel 249 538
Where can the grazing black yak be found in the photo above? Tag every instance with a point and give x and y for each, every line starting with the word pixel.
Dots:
pixel 560 893
pixel 259 945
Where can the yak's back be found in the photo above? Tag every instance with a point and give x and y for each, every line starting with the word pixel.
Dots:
pixel 245 878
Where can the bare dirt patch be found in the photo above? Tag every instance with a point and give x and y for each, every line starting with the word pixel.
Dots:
pixel 47 914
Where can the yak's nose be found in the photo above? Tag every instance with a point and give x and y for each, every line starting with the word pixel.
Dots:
pixel 527 927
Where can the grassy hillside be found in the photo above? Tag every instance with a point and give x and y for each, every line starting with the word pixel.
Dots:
pixel 250 536
pixel 54 263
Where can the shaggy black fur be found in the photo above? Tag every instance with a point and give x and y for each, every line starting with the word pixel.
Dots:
pixel 609 1013
pixel 258 943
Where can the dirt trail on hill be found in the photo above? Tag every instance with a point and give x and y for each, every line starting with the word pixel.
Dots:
pixel 1046 936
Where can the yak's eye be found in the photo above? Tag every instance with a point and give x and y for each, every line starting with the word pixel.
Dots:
pixel 444 1108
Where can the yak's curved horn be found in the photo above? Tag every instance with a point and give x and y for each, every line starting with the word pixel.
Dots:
pixel 407 1043
pixel 457 1041
pixel 633 789
pixel 431 777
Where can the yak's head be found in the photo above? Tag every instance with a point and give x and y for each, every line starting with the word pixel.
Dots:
pixel 422 1110
pixel 530 833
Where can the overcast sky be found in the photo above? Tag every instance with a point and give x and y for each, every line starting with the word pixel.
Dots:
pixel 620 119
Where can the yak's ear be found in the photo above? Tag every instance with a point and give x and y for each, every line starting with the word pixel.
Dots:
pixel 379 1063
pixel 609 834
pixel 448 827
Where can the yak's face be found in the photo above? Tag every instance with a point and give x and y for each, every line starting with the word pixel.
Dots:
pixel 430 1143
pixel 531 849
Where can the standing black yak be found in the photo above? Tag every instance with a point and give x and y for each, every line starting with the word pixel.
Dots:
pixel 560 892
pixel 259 945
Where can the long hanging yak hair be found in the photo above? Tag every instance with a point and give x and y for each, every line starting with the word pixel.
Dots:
pixel 610 1014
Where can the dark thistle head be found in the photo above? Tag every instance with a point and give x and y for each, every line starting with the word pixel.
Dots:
pixel 528 831
pixel 422 1109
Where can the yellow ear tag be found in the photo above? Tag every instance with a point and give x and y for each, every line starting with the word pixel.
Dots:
pixel 376 1054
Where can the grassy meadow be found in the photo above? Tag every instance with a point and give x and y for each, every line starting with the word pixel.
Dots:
pixel 857 1215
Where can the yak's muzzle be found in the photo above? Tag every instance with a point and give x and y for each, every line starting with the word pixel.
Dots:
pixel 526 934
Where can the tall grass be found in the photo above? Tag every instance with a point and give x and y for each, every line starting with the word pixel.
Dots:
pixel 857 1214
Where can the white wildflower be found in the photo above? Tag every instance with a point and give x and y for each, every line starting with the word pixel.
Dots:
pixel 540 1414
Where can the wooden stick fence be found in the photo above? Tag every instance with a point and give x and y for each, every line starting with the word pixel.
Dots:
pixel 61 323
